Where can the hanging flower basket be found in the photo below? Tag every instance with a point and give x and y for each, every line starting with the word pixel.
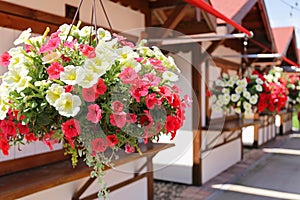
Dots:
pixel 89 89
pixel 238 94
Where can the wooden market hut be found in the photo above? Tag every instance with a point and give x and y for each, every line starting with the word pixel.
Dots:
pixel 285 40
pixel 34 161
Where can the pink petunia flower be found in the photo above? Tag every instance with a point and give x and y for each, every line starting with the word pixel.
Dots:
pixel 117 106
pixel 151 101
pixel 118 119
pixel 88 51
pixel 131 118
pixel 90 94
pixel 128 75
pixel 138 92
pixel 151 79
pixel 129 149
pixel 99 145
pixel 4 59
pixel 50 45
pixel 95 113
pixel 54 70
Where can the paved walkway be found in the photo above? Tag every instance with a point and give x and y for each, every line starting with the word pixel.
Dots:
pixel 271 172
pixel 276 175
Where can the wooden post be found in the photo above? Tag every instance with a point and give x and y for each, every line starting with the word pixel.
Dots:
pixel 197 118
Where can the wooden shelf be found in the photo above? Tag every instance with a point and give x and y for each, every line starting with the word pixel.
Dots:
pixel 33 180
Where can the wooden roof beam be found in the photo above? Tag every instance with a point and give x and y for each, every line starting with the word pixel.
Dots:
pixel 173 20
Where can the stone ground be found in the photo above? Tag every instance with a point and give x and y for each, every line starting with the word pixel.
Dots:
pixel 265 175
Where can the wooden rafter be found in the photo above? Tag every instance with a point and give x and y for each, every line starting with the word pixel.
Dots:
pixel 173 20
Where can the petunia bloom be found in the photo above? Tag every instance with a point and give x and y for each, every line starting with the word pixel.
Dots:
pixel 95 114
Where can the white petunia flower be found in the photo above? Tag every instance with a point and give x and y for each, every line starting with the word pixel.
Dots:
pixel 234 78
pixel 17 79
pixel 170 76
pixel 246 105
pixel 235 97
pixel 253 99
pixel 239 89
pixel 259 88
pixel 72 75
pixel 17 62
pixel 16 51
pixel 98 65
pixel 213 98
pixel 103 34
pixel 224 75
pixel 259 81
pixel 25 35
pixel 65 29
pixel 86 31
pixel 246 94
pixel 225 91
pixel 219 103
pixel 53 93
pixel 230 83
pixel 68 105
pixel 242 82
pixel 226 99
pixel 90 78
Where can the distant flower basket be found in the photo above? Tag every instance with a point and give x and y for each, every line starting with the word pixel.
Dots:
pixel 238 94
pixel 92 90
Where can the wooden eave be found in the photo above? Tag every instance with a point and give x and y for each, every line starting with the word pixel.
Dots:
pixel 256 20
pixel 291 51
pixel 160 13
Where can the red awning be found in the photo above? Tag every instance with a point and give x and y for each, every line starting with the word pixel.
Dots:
pixel 208 8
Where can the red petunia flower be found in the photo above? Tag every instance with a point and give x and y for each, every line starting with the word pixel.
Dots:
pixel 151 101
pixel 4 146
pixel 71 129
pixel 30 137
pixel 112 140
pixel 23 129
pixel 100 86
pixel 8 127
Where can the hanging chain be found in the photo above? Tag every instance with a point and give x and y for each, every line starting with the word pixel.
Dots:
pixel 93 18
pixel 106 16
pixel 74 18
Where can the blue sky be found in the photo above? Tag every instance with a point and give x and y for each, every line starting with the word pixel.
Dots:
pixel 285 13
